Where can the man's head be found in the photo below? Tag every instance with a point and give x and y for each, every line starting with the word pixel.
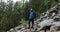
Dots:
pixel 31 9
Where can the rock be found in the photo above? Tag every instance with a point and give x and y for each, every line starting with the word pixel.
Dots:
pixel 8 31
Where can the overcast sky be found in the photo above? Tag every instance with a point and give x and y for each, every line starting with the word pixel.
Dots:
pixel 16 0
pixel 13 0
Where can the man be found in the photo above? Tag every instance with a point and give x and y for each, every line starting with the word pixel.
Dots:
pixel 32 16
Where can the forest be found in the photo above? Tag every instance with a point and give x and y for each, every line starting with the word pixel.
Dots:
pixel 12 14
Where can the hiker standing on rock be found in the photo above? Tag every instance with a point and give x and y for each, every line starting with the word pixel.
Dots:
pixel 31 16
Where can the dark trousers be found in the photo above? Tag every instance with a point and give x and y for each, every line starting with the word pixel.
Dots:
pixel 31 21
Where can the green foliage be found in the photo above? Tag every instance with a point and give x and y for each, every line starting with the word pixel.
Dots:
pixel 11 14
pixel 23 21
pixel 42 5
pixel 56 0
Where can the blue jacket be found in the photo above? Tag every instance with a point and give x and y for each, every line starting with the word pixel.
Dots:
pixel 32 15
